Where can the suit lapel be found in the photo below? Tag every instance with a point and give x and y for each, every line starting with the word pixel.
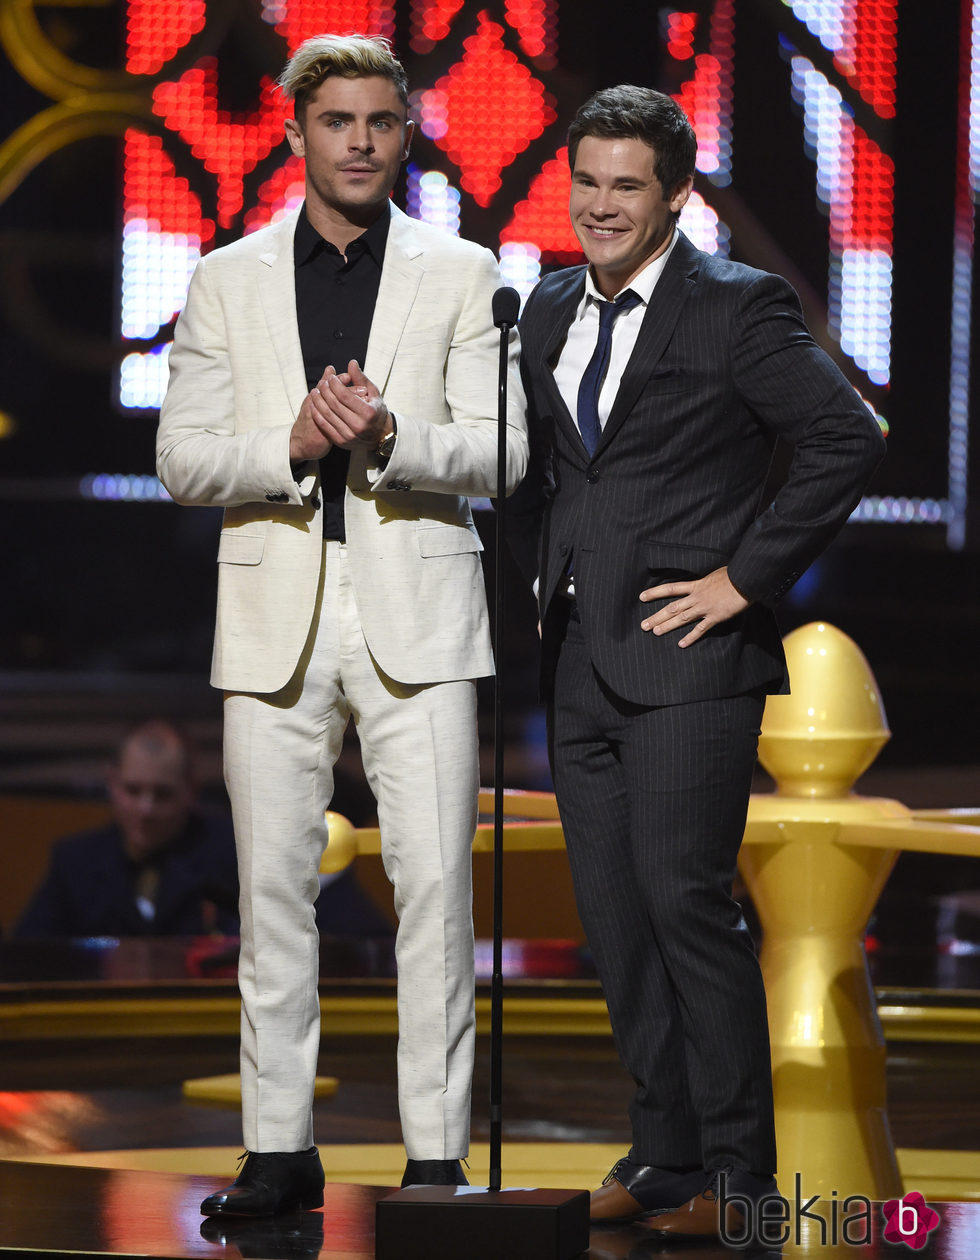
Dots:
pixel 277 292
pixel 669 296
pixel 561 311
pixel 655 332
pixel 401 276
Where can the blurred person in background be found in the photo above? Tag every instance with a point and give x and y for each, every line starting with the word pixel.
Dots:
pixel 161 867
pixel 164 866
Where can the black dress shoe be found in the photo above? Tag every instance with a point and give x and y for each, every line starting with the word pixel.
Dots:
pixel 434 1172
pixel 269 1183
pixel 632 1192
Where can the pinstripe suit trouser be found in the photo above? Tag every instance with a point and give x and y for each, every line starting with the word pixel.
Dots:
pixel 653 804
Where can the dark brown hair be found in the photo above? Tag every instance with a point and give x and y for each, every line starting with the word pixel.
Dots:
pixel 636 113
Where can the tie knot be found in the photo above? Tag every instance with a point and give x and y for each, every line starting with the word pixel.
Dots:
pixel 608 311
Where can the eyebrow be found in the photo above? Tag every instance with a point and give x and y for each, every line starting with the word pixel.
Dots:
pixel 346 116
pixel 581 173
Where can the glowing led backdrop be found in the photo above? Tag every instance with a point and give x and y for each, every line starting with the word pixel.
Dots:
pixel 492 110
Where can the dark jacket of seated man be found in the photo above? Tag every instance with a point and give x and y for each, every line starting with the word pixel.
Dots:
pixel 93 888
pixel 163 867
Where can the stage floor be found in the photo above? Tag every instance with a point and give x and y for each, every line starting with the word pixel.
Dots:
pixel 57 1210
pixel 49 1209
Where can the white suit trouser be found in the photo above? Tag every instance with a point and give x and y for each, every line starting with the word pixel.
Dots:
pixel 419 747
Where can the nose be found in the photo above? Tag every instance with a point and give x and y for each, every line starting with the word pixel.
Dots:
pixel 361 138
pixel 602 205
pixel 146 804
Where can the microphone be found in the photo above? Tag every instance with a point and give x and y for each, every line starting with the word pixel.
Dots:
pixel 506 307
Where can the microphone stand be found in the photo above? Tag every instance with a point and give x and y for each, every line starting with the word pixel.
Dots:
pixel 506 308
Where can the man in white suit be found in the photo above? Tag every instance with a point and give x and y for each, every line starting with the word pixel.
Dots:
pixel 332 386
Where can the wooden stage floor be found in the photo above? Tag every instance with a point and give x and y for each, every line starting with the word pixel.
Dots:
pixel 57 1210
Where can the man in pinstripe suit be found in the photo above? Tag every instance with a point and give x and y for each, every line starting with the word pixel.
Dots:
pixel 653 420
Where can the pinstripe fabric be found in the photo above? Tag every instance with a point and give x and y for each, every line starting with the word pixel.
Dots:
pixel 723 365
pixel 653 807
pixel 653 746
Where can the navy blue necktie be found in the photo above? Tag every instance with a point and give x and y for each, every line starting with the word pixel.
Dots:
pixel 595 373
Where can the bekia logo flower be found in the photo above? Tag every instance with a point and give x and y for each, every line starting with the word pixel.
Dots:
pixel 909 1220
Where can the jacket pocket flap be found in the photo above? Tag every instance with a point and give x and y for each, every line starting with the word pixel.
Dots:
pixel 447 540
pixel 235 548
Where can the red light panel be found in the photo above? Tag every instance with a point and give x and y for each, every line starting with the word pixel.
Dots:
pixel 536 22
pixel 157 29
pixel 228 146
pixel 680 35
pixel 866 217
pixel 868 54
pixel 431 20
pixel 156 193
pixel 483 130
pixel 304 18
pixel 699 98
pixel 543 217
pixel 284 188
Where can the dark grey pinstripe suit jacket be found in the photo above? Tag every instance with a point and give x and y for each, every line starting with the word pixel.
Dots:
pixel 723 364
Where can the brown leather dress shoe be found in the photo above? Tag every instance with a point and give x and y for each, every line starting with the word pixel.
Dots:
pixel 701 1215
pixel 632 1192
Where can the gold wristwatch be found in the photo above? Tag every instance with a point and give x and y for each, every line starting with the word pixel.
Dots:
pixel 386 446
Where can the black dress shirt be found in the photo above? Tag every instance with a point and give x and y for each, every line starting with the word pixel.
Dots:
pixel 335 301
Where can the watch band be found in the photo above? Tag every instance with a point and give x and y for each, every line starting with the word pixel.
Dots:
pixel 386 446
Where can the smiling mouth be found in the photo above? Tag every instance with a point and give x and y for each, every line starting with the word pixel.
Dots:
pixel 606 232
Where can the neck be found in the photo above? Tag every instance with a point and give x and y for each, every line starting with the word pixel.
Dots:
pixel 340 228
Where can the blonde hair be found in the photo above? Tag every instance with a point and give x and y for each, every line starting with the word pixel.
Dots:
pixel 350 56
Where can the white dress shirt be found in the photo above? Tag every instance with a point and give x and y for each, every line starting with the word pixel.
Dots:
pixel 583 335
pixel 581 341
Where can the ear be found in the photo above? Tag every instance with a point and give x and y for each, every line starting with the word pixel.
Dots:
pixel 681 193
pixel 409 133
pixel 294 134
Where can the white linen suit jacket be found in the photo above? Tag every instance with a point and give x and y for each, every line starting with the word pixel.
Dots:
pixel 237 383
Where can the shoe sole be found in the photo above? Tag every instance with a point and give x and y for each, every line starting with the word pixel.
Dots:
pixel 302 1205
pixel 645 1215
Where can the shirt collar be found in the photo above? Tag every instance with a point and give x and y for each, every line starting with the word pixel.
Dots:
pixel 642 284
pixel 307 241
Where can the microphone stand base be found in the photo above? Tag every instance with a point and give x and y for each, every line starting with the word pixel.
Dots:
pixel 473 1223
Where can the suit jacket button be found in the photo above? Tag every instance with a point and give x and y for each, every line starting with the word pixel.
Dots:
pixel 315 502
pixel 592 477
